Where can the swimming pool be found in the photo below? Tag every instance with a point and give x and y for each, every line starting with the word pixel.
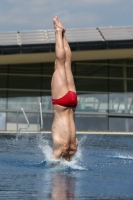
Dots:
pixel 102 168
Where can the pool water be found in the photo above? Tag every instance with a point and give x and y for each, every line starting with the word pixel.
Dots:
pixel 101 169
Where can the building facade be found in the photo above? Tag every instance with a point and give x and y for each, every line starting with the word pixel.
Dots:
pixel 102 67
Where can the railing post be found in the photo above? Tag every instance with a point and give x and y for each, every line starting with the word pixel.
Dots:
pixel 41 117
pixel 17 119
pixel 28 124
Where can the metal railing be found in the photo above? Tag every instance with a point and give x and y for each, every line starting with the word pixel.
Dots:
pixel 41 117
pixel 28 124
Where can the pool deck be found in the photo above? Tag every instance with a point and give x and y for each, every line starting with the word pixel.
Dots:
pixel 78 132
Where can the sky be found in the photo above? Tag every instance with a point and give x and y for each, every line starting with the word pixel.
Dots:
pixel 18 15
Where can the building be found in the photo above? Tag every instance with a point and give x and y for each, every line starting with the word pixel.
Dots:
pixel 103 71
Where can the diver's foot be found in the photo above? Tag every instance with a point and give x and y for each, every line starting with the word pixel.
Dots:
pixel 58 25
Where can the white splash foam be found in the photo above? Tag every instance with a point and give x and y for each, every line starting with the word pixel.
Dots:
pixel 122 156
pixel 75 163
pixel 82 140
pixel 129 157
pixel 47 150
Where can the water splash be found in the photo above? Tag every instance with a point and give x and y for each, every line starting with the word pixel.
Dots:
pixel 82 140
pixel 122 156
pixel 74 164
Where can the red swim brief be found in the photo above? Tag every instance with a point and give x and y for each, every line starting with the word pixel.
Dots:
pixel 68 100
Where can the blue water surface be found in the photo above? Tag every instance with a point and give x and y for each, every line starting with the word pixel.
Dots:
pixel 102 168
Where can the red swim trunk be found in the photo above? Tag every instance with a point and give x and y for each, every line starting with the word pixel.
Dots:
pixel 68 100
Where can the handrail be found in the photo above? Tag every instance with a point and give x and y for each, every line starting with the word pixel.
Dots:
pixel 41 117
pixel 28 124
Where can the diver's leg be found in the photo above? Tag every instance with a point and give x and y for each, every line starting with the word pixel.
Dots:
pixel 59 82
pixel 69 75
pixel 68 56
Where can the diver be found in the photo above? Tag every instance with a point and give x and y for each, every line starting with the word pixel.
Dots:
pixel 64 97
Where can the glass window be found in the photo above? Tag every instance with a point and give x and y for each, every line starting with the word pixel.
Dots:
pixel 3 81
pixel 88 68
pixel 117 63
pixel 116 85
pixel 48 68
pixel 46 101
pixel 92 103
pixel 2 121
pixel 130 102
pixel 91 122
pixel 120 124
pixel 33 118
pixel 129 62
pixel 46 83
pixel 16 121
pixel 130 71
pixel 12 119
pixel 86 84
pixel 115 71
pixel 3 99
pixel 121 103
pixel 3 68
pixel 47 121
pixel 129 126
pixel 130 85
pixel 24 82
pixel 34 68
pixel 22 99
